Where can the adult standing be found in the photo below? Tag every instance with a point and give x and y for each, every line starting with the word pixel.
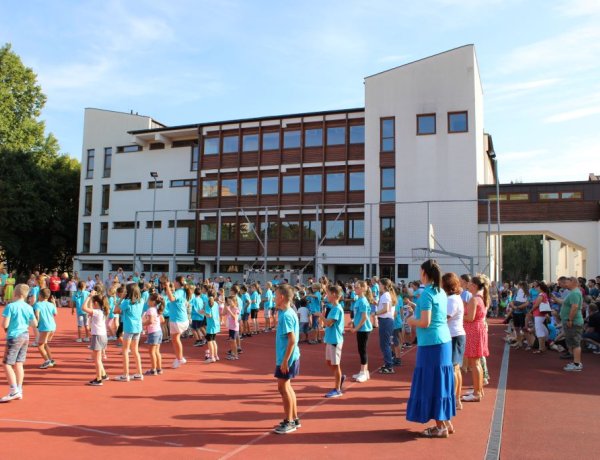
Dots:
pixel 572 320
pixel 54 284
pixel 456 311
pixel 432 387
pixel 9 287
pixel 539 316
pixel 385 316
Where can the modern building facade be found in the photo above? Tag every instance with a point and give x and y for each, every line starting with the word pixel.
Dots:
pixel 353 192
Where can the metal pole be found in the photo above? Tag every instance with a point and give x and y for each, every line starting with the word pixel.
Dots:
pixel 317 239
pixel 174 247
pixel 489 238
pixel 219 243
pixel 499 237
pixel 266 244
pixel 153 225
pixel 368 273
pixel 428 230
pixel 134 240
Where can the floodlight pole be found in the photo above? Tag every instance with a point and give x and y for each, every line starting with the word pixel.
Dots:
pixel 154 176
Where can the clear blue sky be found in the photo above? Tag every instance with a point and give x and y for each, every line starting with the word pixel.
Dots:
pixel 187 61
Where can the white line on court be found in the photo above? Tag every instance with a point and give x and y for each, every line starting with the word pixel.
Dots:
pixel 495 438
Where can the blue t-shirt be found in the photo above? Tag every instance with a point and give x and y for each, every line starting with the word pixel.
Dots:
pixel 466 296
pixel 268 299
pixel 240 303
pixel 315 303
pixel 246 299
pixel 34 292
pixel 361 306
pixel 334 334
pixel 213 322
pixel 131 315
pixel 533 294
pixel 375 291
pixel 435 301
pixel 398 314
pixel 79 299
pixel 255 298
pixel 20 314
pixel 287 322
pixel 145 295
pixel 46 310
pixel 177 308
pixel 111 305
pixel 197 308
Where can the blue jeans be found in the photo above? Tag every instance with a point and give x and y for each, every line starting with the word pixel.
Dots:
pixel 386 333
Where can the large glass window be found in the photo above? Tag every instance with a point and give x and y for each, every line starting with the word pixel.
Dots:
pixel 290 230
pixel 336 135
pixel 388 134
pixel 457 122
pixel 291 139
pixel 313 137
pixel 334 229
pixel 388 184
pixel 86 238
pixel 91 153
pixel 335 182
pixel 229 187
pixel 128 186
pixel 107 161
pixel 291 184
pixel 208 232
pixel 105 199
pixel 228 231
pixel 231 144
pixel 87 209
pixel 357 134
pixel 426 124
pixel 249 186
pixel 193 199
pixel 250 143
pixel 356 229
pixel 269 186
pixel 312 183
pixel 272 231
pixel 309 229
pixel 103 237
pixel 194 166
pixel 210 189
pixel 247 230
pixel 388 234
pixel 270 141
pixel 357 181
pixel 211 145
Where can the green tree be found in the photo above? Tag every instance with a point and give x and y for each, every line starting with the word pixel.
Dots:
pixel 39 187
pixel 522 257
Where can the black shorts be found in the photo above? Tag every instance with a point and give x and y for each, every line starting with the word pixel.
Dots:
pixel 293 371
pixel 519 320
pixel 196 324
pixel 233 335
pixel 211 337
pixel 245 317
pixel 254 314
pixel 120 329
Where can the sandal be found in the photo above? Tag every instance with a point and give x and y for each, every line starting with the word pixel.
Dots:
pixel 435 432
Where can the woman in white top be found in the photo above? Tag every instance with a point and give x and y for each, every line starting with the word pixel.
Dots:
pixel 456 311
pixel 385 316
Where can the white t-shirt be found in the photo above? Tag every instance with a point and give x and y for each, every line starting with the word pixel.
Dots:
pixel 303 314
pixel 383 299
pixel 456 312
pixel 520 296
pixel 98 322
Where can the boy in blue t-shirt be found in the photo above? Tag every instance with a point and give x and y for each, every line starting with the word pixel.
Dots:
pixel 246 301
pixel 334 338
pixel 287 357
pixel 82 318
pixel 18 316
pixel 398 324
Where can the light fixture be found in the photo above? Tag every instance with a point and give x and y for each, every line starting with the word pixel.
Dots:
pixel 154 174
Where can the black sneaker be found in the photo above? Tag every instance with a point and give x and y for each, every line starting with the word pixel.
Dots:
pixel 285 428
pixel 387 370
pixel 397 362
pixel 95 383
pixel 240 350
pixel 297 423
pixel 105 377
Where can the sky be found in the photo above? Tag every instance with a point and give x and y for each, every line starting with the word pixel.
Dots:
pixel 191 61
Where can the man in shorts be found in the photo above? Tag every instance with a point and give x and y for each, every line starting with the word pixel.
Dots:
pixel 18 316
pixel 572 320
pixel 287 357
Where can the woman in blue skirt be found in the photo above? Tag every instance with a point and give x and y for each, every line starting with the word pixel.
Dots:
pixel 432 389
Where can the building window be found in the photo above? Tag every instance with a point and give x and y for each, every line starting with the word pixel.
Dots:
pixel 183 183
pixel 247 231
pixel 357 181
pixel 291 139
pixel 269 186
pixel 208 232
pixel 560 196
pixel 458 122
pixel 312 183
pixel 402 270
pixel 336 135
pixel 388 184
pixel 157 224
pixel 313 137
pixel 105 199
pixel 388 234
pixel 159 184
pixel 291 184
pixel 91 153
pixel 357 134
pixel 229 187
pixel 272 230
pixel 193 197
pixel 183 223
pixel 228 231
pixel 270 141
pixel 86 237
pixel 426 124
pixel 249 186
pixel 107 161
pixel 195 157
pixel 388 136
pixel 386 271
pixel 290 230
pixel 159 145
pixel 87 208
pixel 309 230
pixel 128 186
pixel 231 144
pixel 129 148
pixel 356 229
pixel 250 143
pixel 210 189
pixel 125 225
pixel 334 229
pixel 211 146
pixel 91 267
pixel 336 182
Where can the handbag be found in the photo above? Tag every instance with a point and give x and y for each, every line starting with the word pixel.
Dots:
pixel 545 307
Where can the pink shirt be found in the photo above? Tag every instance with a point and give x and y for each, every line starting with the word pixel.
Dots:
pixel 232 324
pixel 154 325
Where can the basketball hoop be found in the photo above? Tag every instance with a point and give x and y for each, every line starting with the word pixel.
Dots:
pixel 419 254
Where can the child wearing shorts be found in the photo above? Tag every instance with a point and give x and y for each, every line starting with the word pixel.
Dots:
pixel 198 319
pixel 79 298
pixel 334 338
pixel 151 320
pixel 304 316
pixel 97 307
pixel 268 307
pixel 18 316
pixel 398 324
pixel 233 312
pixel 45 312
pixel 213 327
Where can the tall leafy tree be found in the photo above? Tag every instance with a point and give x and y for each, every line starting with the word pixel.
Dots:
pixel 522 257
pixel 39 187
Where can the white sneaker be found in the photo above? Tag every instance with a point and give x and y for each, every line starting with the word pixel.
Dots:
pixel 182 361
pixel 362 378
pixel 572 367
pixel 175 364
pixel 11 396
pixel 87 339
pixel 355 376
pixel 78 340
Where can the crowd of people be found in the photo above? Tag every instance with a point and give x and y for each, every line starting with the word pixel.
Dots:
pixel 444 315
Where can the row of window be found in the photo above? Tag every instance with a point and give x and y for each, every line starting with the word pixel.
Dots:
pixel 155 184
pixel 543 196
pixel 311 183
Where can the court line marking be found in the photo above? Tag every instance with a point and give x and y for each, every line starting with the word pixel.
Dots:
pixel 108 433
pixel 267 433
pixel 495 438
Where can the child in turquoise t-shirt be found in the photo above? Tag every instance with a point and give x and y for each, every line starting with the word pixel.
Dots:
pixel 334 338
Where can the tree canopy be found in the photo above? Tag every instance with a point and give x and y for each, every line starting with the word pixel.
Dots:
pixel 522 257
pixel 39 187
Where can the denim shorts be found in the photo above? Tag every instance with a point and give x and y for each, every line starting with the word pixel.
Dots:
pixel 155 338
pixel 315 322
pixel 82 320
pixel 131 336
pixel 16 349
pixel 304 328
pixel 292 372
